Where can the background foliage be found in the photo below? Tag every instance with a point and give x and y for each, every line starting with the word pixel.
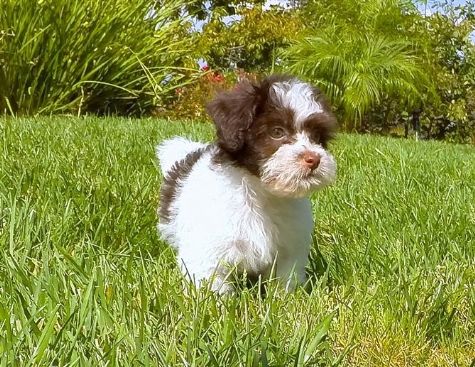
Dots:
pixel 250 41
pixel 386 65
pixel 383 63
pixel 395 67
pixel 451 52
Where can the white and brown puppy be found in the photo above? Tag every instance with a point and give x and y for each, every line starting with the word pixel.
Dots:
pixel 241 202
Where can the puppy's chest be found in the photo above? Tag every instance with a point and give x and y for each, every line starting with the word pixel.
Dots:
pixel 270 227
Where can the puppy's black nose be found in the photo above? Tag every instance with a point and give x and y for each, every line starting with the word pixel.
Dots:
pixel 310 160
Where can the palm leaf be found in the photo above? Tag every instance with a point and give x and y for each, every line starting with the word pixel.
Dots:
pixel 359 69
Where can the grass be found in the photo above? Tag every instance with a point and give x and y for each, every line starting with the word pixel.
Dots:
pixel 84 279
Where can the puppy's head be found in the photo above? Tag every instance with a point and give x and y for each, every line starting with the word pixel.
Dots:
pixel 278 130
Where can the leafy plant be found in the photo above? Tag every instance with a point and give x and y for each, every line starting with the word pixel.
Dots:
pixel 361 61
pixel 250 41
pixel 446 35
pixel 88 56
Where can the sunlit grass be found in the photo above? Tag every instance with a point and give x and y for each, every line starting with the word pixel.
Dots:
pixel 84 279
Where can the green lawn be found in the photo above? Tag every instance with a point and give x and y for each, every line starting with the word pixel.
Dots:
pixel 84 279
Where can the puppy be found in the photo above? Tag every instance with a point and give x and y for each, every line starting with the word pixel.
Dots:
pixel 241 202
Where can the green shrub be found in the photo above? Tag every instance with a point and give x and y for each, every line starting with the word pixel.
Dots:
pixel 101 56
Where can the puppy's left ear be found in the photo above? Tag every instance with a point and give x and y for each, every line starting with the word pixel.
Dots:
pixel 233 113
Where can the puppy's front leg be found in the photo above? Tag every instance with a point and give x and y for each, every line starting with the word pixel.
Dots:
pixel 215 275
pixel 290 271
pixel 220 282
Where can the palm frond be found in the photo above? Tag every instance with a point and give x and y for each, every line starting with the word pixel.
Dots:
pixel 359 69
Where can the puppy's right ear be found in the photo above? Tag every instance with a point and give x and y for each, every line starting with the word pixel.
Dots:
pixel 233 113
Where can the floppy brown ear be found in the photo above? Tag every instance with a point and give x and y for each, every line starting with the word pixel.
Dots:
pixel 232 113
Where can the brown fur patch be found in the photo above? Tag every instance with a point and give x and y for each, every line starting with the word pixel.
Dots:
pixel 259 144
pixel 321 128
pixel 172 181
pixel 233 113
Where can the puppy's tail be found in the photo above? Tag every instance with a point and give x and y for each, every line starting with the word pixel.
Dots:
pixel 173 150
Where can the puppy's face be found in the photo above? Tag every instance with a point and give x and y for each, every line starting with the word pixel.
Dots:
pixel 278 131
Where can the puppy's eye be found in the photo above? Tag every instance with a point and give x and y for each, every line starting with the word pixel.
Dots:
pixel 277 133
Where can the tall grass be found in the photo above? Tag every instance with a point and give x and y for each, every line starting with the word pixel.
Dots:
pixel 89 55
pixel 85 280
